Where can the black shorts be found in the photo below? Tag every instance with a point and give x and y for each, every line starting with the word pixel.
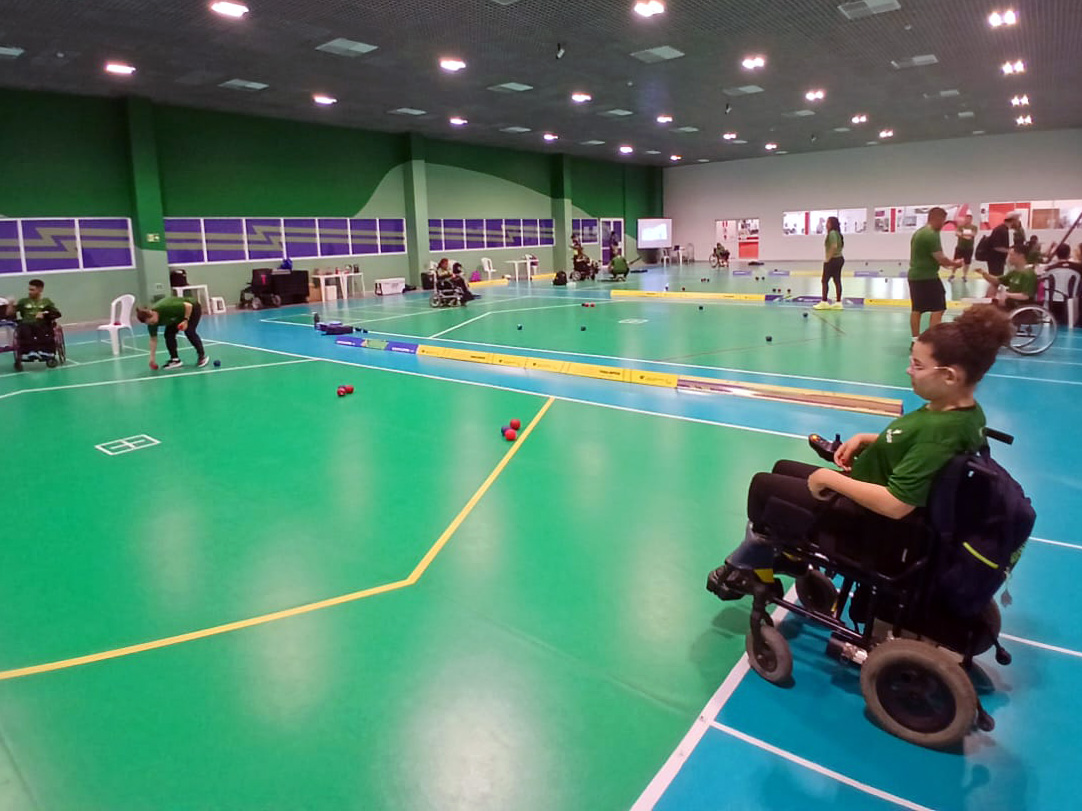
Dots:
pixel 964 253
pixel 927 295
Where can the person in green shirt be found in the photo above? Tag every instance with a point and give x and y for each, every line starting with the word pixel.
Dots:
pixel 175 314
pixel 885 479
pixel 926 257
pixel 967 233
pixel 35 316
pixel 1017 286
pixel 832 265
pixel 618 266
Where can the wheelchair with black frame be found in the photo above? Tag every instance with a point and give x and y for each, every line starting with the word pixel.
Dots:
pixel 905 630
pixel 38 341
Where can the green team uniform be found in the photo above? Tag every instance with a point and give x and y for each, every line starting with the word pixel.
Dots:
pixel 618 264
pixel 908 454
pixel 27 308
pixel 834 240
pixel 170 312
pixel 966 235
pixel 922 247
pixel 1020 281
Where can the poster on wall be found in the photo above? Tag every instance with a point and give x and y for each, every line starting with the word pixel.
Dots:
pixel 1042 214
pixel 817 221
pixel 992 214
pixel 794 223
pixel 883 220
pixel 853 220
pixel 907 219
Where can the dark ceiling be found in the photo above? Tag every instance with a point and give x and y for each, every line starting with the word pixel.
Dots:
pixel 183 53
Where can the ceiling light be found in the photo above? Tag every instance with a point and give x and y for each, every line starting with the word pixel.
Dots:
pixel 704 160
pixel 771 147
pixel 886 133
pixel 859 119
pixel 515 130
pixel 326 101
pixel 753 62
pixel 580 98
pixel 674 157
pixel 626 150
pixel 548 136
pixel 235 10
pixel 648 8
pixel 1013 67
pixel 1024 120
pixel 1008 17
pixel 452 65
pixel 458 121
pixel 729 136
pixel 815 95
pixel 652 152
pixel 407 111
pixel 842 129
pixel 592 142
pixel 10 52
pixel 664 119
pixel 119 68
pixel 1020 101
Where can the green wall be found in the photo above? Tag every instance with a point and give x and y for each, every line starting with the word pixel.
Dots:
pixel 63 156
pixel 72 156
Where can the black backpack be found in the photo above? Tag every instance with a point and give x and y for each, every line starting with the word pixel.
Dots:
pixel 560 279
pixel 984 519
pixel 984 249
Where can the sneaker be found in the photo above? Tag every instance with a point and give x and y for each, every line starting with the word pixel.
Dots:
pixel 822 305
pixel 203 361
pixel 837 305
pixel 951 278
pixel 174 363
pixel 720 582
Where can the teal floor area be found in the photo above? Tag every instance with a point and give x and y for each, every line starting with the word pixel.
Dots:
pixel 300 600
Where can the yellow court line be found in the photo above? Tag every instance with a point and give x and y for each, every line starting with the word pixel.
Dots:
pixel 263 619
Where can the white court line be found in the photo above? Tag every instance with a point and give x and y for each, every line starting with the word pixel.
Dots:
pixel 680 417
pixel 1042 645
pixel 823 770
pixel 1057 543
pixel 1038 379
pixel 167 376
pixel 659 362
pixel 663 779
pixel 464 323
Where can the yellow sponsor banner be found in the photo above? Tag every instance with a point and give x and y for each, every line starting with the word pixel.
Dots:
pixel 490 283
pixel 508 360
pixel 431 351
pixel 546 365
pixel 467 355
pixel 542 276
pixel 886 302
pixel 598 372
pixel 653 378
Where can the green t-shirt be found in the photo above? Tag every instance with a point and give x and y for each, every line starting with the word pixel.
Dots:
pixel 1021 281
pixel 911 450
pixel 966 234
pixel 922 263
pixel 834 240
pixel 618 263
pixel 27 309
pixel 170 312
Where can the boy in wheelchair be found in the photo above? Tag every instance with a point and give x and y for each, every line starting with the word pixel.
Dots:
pixel 445 291
pixel 36 327
pixel 721 254
pixel 1017 287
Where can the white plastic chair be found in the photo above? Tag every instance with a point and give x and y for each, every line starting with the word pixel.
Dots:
pixel 1065 288
pixel 119 320
pixel 486 266
pixel 666 256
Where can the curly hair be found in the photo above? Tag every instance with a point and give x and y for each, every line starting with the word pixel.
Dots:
pixel 970 341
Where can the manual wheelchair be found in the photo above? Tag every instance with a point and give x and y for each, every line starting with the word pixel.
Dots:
pixel 914 648
pixel 31 345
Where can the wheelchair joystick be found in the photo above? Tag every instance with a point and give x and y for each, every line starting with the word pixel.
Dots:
pixel 824 447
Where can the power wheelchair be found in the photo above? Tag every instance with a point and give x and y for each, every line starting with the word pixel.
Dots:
pixel 914 650
pixel 34 342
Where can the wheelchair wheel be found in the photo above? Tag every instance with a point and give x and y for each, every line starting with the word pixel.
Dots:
pixel 276 300
pixel 773 660
pixel 61 350
pixel 919 693
pixel 816 592
pixel 257 303
pixel 714 261
pixel 1034 330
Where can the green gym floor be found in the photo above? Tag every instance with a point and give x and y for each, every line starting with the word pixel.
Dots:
pixel 286 599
